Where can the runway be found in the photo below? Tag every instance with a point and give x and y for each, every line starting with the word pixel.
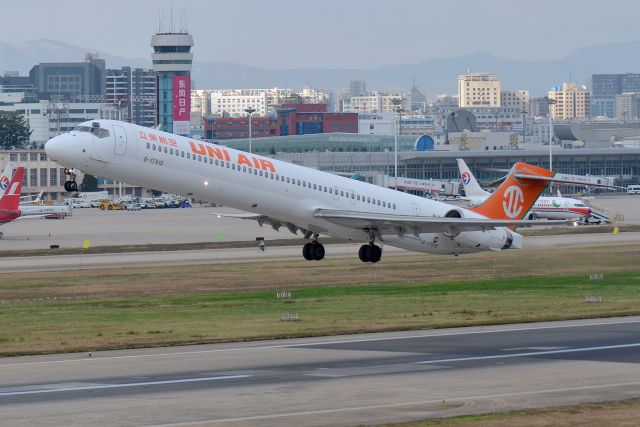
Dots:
pixel 341 380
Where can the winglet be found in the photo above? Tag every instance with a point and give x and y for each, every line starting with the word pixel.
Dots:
pixel 517 194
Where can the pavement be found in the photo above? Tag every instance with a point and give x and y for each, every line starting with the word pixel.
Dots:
pixel 339 380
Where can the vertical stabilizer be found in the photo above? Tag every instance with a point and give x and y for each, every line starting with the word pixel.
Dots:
pixel 472 189
pixel 10 200
pixel 516 195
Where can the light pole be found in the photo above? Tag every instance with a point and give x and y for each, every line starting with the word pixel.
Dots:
pixel 250 110
pixel 397 110
pixel 550 102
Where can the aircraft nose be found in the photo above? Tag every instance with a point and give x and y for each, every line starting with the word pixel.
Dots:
pixel 58 149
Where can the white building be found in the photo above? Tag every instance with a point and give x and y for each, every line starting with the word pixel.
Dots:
pixel 41 174
pixel 479 90
pixel 384 124
pixel 377 102
pixel 48 119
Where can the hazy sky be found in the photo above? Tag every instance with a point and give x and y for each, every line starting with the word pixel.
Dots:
pixel 330 33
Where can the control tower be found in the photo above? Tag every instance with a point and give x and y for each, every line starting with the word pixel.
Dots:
pixel 172 58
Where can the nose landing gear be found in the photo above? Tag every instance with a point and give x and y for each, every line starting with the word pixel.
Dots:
pixel 71 185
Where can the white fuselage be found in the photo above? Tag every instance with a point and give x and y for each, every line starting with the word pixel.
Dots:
pixel 258 184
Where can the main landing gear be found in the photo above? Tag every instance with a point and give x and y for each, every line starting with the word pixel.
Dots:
pixel 313 251
pixel 71 185
pixel 370 253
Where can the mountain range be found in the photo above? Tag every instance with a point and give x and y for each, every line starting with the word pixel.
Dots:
pixel 433 76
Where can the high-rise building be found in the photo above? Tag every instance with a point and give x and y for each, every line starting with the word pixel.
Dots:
pixel 70 81
pixel 133 90
pixel 571 102
pixel 357 88
pixel 605 87
pixel 172 59
pixel 479 90
pixel 518 99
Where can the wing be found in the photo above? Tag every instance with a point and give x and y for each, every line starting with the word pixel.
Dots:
pixel 275 223
pixel 411 224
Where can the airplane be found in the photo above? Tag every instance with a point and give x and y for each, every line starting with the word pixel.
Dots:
pixel 278 193
pixel 10 200
pixel 555 208
pixel 7 173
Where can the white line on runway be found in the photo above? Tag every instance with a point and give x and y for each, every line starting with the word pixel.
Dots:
pixel 450 401
pixel 430 334
pixel 531 353
pixel 124 385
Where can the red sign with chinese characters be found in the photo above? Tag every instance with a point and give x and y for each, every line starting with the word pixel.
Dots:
pixel 181 98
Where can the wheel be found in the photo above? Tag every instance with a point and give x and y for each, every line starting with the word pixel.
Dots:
pixel 363 253
pixel 110 207
pixel 317 250
pixel 375 253
pixel 307 252
pixel 70 186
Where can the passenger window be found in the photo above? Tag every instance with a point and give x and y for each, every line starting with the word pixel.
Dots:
pixel 341 193
pixel 233 166
pixel 384 204
pixel 165 150
pixel 244 169
pixel 278 177
pixel 325 189
pixel 210 161
pixel 199 158
pixel 368 199
pixel 394 206
pixel 261 173
pixel 182 154
pixel 378 202
pixel 153 147
pixel 188 155
pixel 148 145
pixel 255 171
pixel 171 151
pixel 287 180
pixel 304 184
pixel 216 162
pixel 358 198
pixel 298 182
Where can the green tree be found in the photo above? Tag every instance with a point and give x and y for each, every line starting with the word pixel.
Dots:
pixel 89 183
pixel 14 130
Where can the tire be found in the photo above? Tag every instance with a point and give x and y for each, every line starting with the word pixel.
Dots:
pixel 317 250
pixel 363 253
pixel 375 253
pixel 307 252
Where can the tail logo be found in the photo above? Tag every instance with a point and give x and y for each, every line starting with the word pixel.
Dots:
pixel 4 183
pixel 513 201
pixel 466 178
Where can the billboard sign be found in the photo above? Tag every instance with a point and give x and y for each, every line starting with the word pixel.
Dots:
pixel 181 104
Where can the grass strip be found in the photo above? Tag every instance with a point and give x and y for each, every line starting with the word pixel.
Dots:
pixel 28 327
pixel 624 413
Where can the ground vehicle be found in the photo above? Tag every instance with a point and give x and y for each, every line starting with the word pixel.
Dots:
pixel 633 189
pixel 110 206
pixel 133 207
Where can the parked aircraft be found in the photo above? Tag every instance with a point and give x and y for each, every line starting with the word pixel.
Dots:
pixel 556 208
pixel 301 199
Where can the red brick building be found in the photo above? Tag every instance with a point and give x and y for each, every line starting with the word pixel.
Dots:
pixel 291 119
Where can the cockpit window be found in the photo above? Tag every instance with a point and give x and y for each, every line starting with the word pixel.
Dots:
pixel 97 131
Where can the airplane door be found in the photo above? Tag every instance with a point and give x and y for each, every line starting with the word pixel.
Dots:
pixel 120 136
pixel 415 209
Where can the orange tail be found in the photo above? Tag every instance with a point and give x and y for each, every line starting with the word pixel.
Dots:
pixel 10 201
pixel 514 198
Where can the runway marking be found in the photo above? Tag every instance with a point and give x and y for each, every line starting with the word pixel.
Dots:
pixel 431 334
pixel 527 354
pixel 451 400
pixel 124 385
